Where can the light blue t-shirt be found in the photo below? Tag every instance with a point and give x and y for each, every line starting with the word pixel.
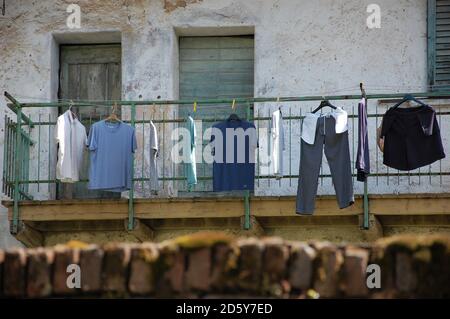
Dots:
pixel 111 147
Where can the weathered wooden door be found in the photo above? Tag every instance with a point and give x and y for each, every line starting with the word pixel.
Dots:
pixel 215 68
pixel 89 72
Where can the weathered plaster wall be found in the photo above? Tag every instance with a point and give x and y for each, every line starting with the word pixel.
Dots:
pixel 301 48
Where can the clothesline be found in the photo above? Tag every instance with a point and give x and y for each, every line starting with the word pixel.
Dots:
pixel 109 103
pixel 339 90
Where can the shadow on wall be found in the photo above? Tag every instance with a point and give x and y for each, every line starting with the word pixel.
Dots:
pixel 6 239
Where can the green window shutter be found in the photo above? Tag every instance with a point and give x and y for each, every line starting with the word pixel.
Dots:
pixel 215 68
pixel 439 44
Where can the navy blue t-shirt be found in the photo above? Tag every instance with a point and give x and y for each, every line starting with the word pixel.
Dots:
pixel 234 157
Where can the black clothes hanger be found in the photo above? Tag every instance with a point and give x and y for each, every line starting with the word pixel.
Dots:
pixel 406 98
pixel 233 117
pixel 363 92
pixel 323 104
pixel 279 106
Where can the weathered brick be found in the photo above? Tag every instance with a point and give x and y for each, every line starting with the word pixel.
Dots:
pixel 224 263
pixel 247 267
pixel 405 276
pixel 250 264
pixel 63 258
pixel 14 273
pixel 327 277
pixel 274 264
pixel 384 258
pixel 91 261
pixel 142 269
pixel 115 268
pixel 39 276
pixel 199 269
pixel 354 272
pixel 170 270
pixel 301 270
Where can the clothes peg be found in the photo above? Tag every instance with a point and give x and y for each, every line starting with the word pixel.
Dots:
pixel 233 105
pixel 195 106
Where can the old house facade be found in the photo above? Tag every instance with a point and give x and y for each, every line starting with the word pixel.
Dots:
pixel 171 50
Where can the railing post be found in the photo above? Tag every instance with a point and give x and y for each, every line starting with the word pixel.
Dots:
pixel 366 206
pixel 17 169
pixel 246 209
pixel 247 192
pixel 131 192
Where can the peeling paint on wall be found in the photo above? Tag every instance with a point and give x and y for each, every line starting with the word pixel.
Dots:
pixel 171 5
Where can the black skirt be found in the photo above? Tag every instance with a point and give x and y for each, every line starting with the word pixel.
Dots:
pixel 412 138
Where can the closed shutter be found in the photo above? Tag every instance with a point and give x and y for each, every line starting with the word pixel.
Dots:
pixel 215 68
pixel 439 44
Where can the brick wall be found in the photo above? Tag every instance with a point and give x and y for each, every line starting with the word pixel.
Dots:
pixel 213 264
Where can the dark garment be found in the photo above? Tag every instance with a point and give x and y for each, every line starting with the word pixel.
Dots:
pixel 362 156
pixel 234 172
pixel 337 153
pixel 412 138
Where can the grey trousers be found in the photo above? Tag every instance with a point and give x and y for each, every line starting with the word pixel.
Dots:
pixel 338 155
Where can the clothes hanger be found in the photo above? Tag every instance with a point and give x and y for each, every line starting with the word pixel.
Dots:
pixel 323 104
pixel 407 98
pixel 279 106
pixel 70 109
pixel 233 116
pixel 363 92
pixel 113 117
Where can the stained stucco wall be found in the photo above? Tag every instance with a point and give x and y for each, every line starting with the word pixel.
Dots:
pixel 301 48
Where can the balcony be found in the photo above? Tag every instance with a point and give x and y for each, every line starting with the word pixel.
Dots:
pixel 390 202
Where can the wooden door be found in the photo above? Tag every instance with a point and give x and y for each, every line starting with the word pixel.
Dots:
pixel 89 72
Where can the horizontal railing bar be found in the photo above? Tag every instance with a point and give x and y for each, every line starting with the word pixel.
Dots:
pixel 182 120
pixel 83 103
pixel 47 181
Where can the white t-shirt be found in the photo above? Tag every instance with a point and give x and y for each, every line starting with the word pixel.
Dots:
pixel 71 136
pixel 154 185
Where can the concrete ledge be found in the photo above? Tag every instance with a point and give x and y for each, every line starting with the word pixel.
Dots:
pixel 228 207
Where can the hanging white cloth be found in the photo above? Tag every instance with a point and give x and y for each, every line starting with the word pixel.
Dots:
pixel 71 136
pixel 278 144
pixel 154 185
pixel 310 123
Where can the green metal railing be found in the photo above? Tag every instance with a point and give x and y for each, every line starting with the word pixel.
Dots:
pixel 18 145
